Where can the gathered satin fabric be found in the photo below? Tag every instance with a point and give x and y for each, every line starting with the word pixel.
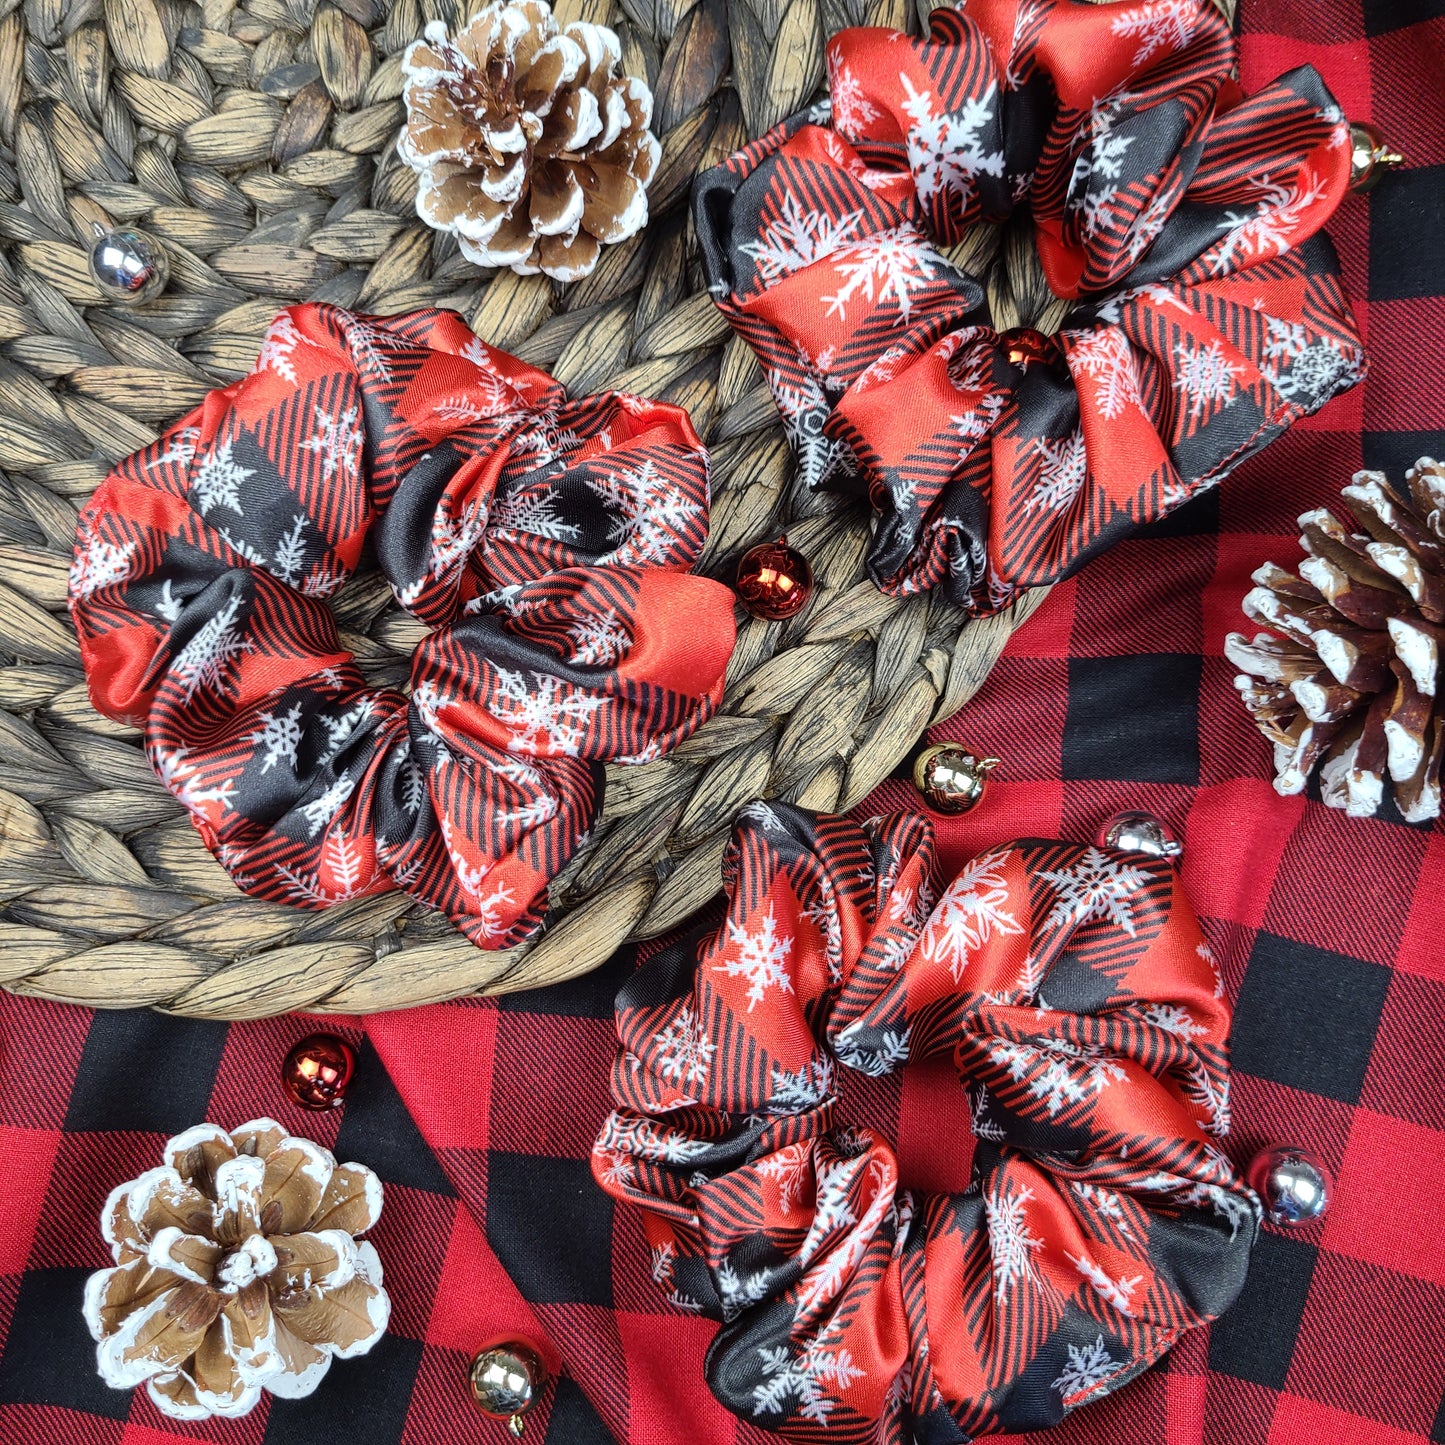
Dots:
pixel 1084 1014
pixel 547 542
pixel 1181 216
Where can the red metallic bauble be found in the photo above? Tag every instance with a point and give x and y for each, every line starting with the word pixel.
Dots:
pixel 317 1072
pixel 774 581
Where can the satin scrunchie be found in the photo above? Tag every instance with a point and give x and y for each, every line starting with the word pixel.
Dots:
pixel 547 541
pixel 1182 216
pixel 1081 1007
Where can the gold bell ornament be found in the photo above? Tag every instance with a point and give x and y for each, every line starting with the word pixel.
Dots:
pixel 952 778
pixel 507 1378
pixel 1370 155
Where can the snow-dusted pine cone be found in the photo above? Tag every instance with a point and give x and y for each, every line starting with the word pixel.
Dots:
pixel 1348 679
pixel 236 1269
pixel 529 142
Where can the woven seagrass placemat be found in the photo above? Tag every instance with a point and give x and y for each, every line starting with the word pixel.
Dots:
pixel 257 140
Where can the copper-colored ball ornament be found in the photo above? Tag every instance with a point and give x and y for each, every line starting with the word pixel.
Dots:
pixel 128 265
pixel 1026 347
pixel 1292 1183
pixel 507 1379
pixel 1140 833
pixel 951 778
pixel 1370 155
pixel 774 581
pixel 317 1073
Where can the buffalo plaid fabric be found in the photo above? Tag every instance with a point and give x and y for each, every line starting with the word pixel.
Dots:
pixel 480 1116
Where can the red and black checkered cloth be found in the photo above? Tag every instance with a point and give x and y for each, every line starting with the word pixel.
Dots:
pixel 480 1116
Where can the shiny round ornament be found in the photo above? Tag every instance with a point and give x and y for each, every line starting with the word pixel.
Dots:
pixel 774 581
pixel 129 265
pixel 1026 347
pixel 317 1073
pixel 1292 1183
pixel 507 1379
pixel 1370 155
pixel 1140 833
pixel 951 778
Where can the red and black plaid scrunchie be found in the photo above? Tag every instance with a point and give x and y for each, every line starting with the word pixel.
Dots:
pixel 1182 216
pixel 1083 1012
pixel 547 541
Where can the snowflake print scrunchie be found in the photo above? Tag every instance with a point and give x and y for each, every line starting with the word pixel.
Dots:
pixel 1182 217
pixel 546 541
pixel 1082 1010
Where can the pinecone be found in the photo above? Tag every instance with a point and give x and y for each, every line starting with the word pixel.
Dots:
pixel 529 143
pixel 1347 680
pixel 236 1269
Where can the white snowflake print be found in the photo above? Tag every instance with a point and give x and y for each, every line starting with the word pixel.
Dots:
pixel 945 152
pixel 797 237
pixel 797 1093
pixel 177 773
pixel 279 735
pixel 1118 1292
pixel 290 555
pixel 206 659
pixel 533 509
pixel 983 1127
pixel 599 639
pixel 487 905
pixel 546 718
pixel 833 1247
pixel 181 447
pixel 738 1293
pixel 1088 1367
pixel 852 110
pixel 1162 27
pixel 652 515
pixel 1058 1072
pixel 337 440
pixel 1303 369
pixel 340 857
pixel 544 441
pixel 899 261
pixel 1063 470
pixel 1105 357
pixel 802 1378
pixel 1268 230
pixel 1011 1242
pixel 322 809
pixel 1097 886
pixel 640 1138
pixel 278 350
pixel 972 910
pixel 99 564
pixel 1207 954
pixel 790 1170
pixel 340 730
pixel 1210 1092
pixel 684 1051
pixel 1101 160
pixel 663 1266
pixel 369 345
pixel 804 409
pixel 1105 1204
pixel 216 481
pixel 890 1051
pixel 322 581
pixel 1204 376
pixel 762 959
pixel 169 605
pixel 1174 1020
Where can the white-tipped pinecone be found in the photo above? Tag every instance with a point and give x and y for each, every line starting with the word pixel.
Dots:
pixel 1348 678
pixel 529 142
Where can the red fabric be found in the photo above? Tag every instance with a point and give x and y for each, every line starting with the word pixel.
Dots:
pixel 1182 216
pixel 1083 1011
pixel 546 541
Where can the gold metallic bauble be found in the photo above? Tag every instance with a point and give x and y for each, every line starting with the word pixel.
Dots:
pixel 507 1379
pixel 951 778
pixel 1370 155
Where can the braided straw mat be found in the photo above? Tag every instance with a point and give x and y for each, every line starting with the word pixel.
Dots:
pixel 257 140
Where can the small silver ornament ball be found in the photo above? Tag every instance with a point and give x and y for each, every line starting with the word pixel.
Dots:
pixel 1292 1183
pixel 1140 833
pixel 129 266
